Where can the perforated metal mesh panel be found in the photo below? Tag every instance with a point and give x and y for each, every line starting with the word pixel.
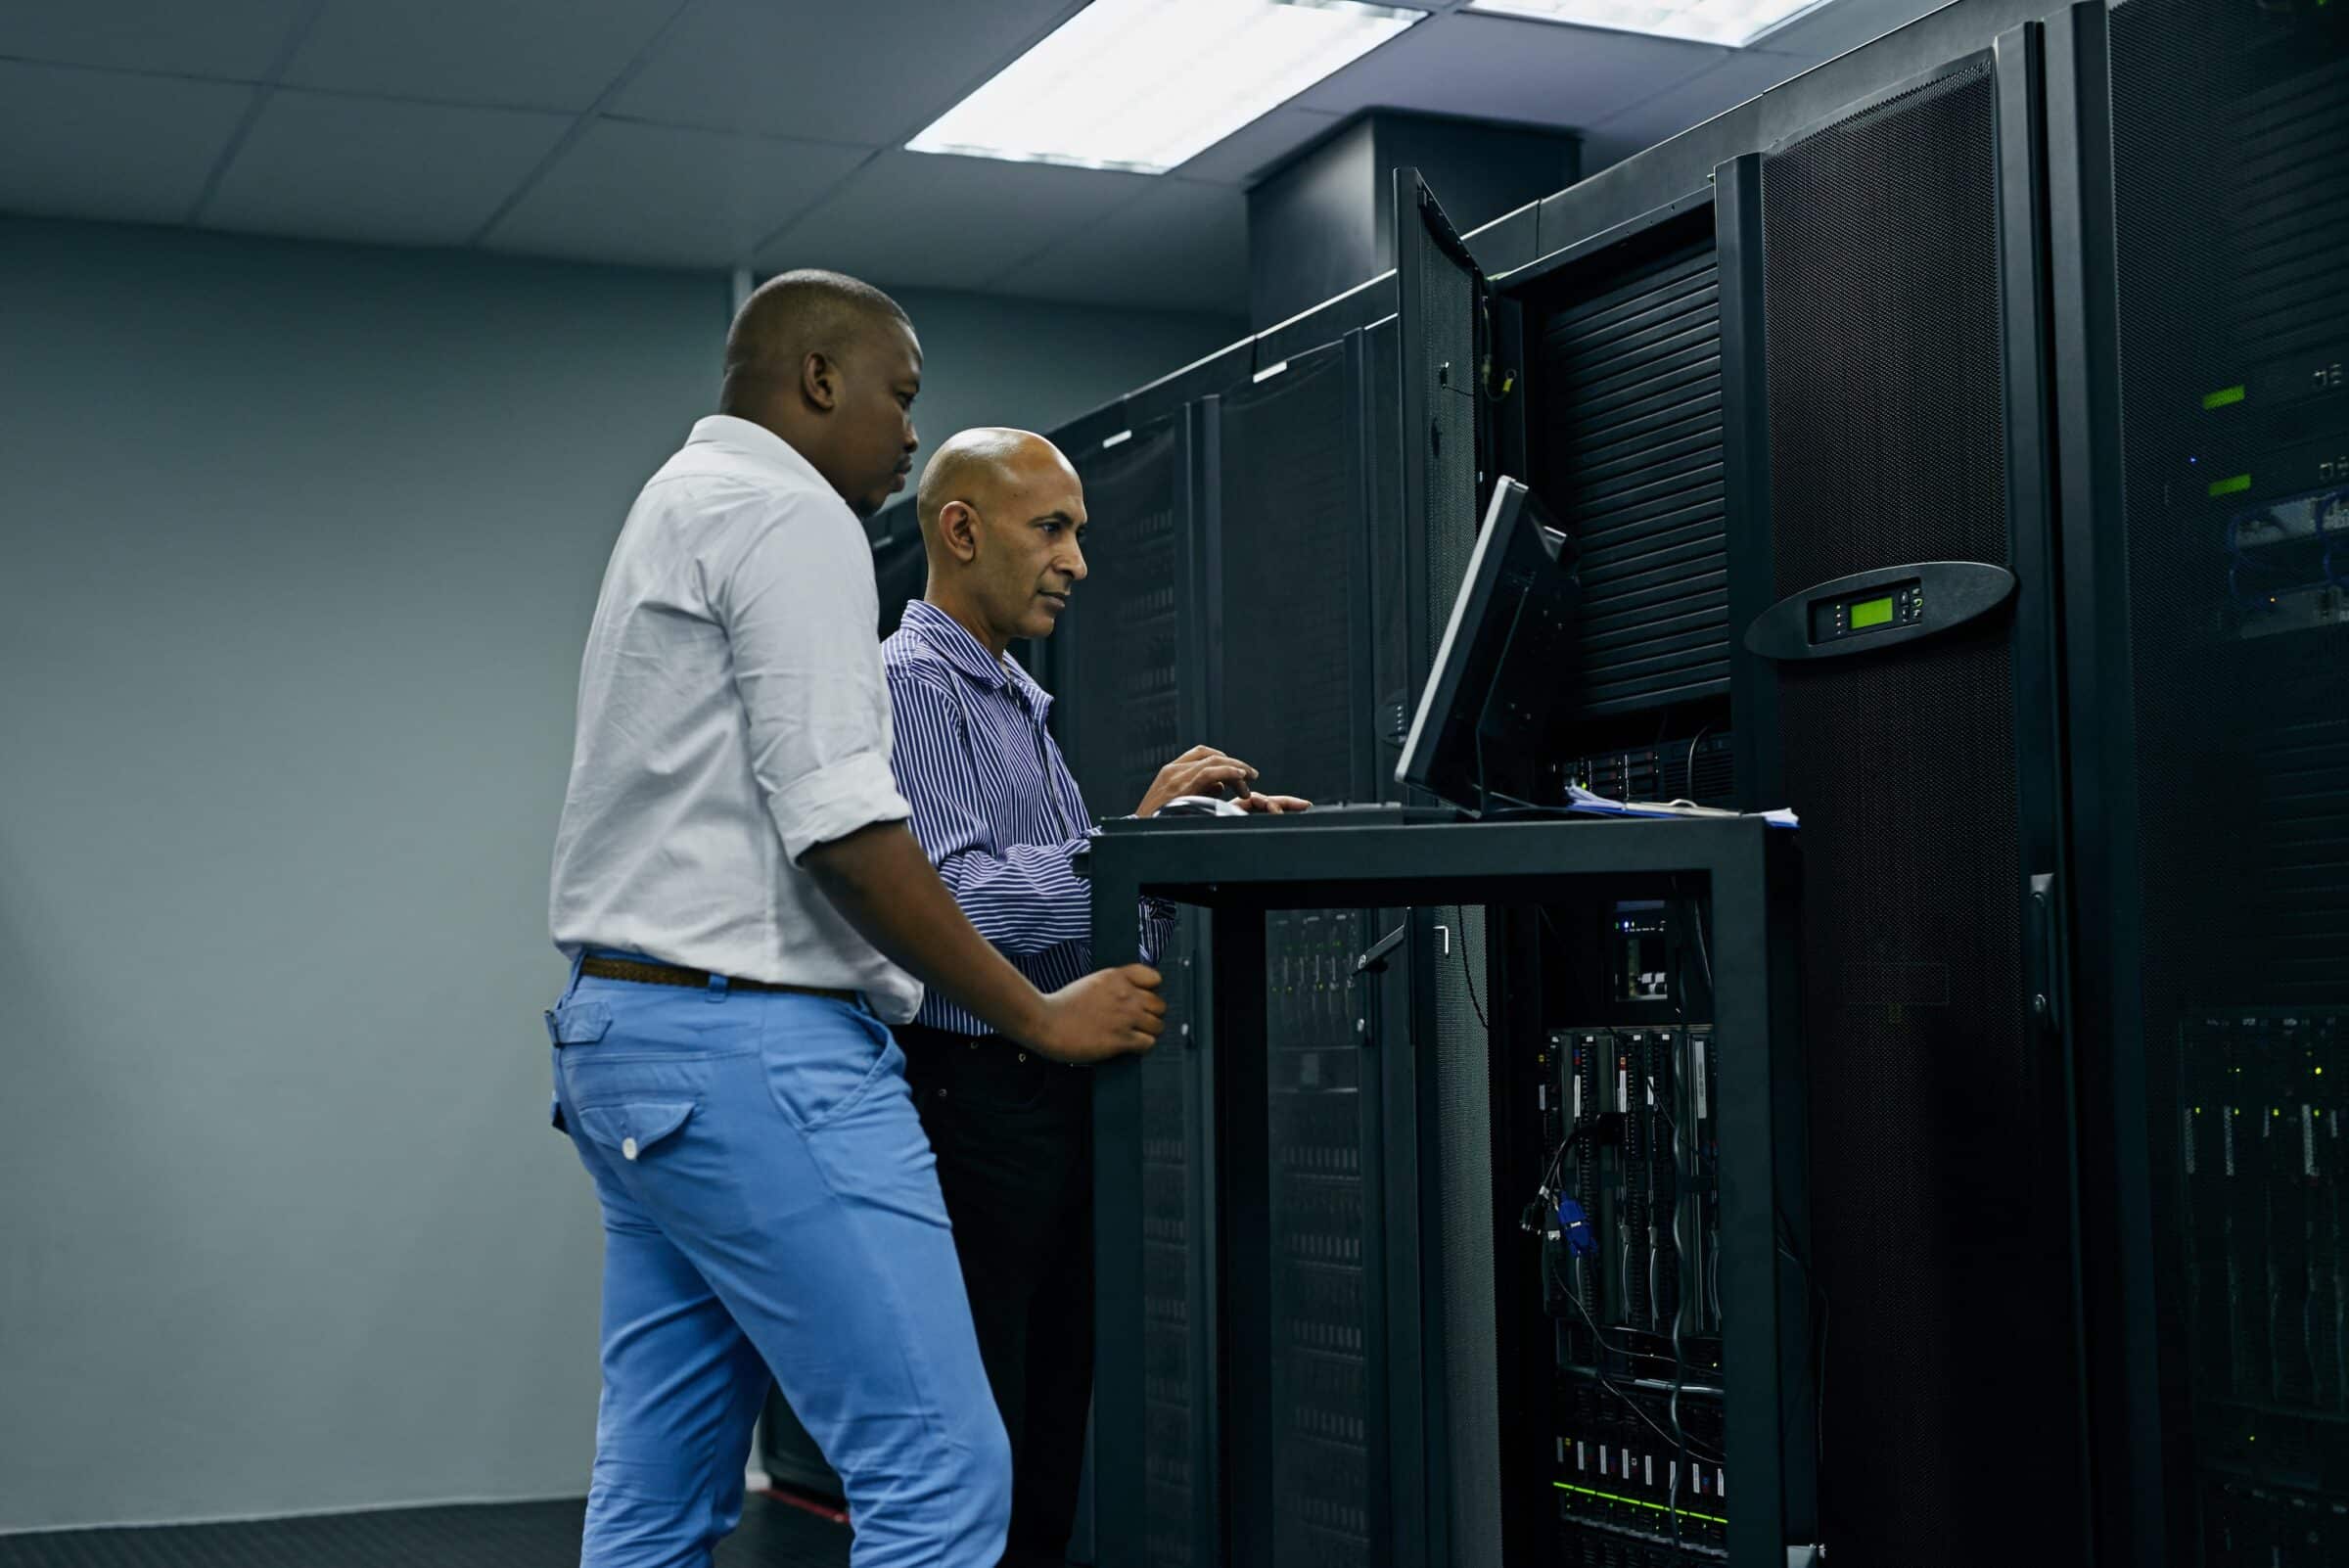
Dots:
pixel 1323 1423
pixel 1290 530
pixel 1942 1255
pixel 1290 478
pixel 1122 680
pixel 2232 225
pixel 1630 429
pixel 1443 359
pixel 1125 688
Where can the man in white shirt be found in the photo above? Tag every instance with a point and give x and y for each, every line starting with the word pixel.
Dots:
pixel 746 911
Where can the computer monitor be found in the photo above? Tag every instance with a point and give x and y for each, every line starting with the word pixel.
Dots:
pixel 1499 678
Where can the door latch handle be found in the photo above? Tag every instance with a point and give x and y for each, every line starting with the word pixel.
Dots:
pixel 2046 952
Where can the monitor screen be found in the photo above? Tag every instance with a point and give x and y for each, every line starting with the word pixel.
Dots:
pixel 1498 679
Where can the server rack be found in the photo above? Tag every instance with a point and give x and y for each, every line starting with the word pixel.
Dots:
pixel 2059 940
pixel 1900 520
pixel 2201 288
pixel 1129 663
pixel 1289 682
pixel 1246 870
pixel 1602 370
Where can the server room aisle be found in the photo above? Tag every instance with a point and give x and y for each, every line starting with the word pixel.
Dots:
pixel 775 1533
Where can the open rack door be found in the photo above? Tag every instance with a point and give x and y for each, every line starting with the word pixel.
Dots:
pixel 1440 296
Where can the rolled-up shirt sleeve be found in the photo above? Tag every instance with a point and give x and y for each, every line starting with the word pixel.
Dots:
pixel 792 586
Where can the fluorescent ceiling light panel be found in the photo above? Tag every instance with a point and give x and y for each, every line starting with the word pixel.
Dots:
pixel 1735 22
pixel 1147 84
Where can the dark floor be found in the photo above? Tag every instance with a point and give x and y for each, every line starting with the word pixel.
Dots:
pixel 509 1535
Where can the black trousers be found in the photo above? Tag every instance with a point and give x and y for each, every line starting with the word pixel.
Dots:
pixel 1014 1142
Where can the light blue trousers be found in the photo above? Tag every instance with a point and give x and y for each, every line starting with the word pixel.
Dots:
pixel 771 1205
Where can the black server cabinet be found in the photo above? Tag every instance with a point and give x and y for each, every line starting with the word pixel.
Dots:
pixel 1599 373
pixel 1253 871
pixel 1894 500
pixel 1288 556
pixel 2201 283
pixel 1251 626
pixel 1129 661
pixel 1288 569
pixel 1129 654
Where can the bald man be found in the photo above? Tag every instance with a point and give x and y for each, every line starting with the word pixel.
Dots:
pixel 746 914
pixel 1002 518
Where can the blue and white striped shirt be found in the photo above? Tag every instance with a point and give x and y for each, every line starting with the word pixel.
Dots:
pixel 993 803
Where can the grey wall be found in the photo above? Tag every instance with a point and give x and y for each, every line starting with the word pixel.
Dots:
pixel 298 548
pixel 1001 361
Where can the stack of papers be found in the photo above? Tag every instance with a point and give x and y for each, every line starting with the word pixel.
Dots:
pixel 1579 799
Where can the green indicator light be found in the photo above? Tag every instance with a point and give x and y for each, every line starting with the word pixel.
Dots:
pixel 2223 397
pixel 1636 1502
pixel 2230 487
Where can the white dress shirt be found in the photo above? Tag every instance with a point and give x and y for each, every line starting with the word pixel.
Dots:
pixel 732 713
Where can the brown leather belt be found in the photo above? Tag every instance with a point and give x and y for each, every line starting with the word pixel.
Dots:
pixel 645 974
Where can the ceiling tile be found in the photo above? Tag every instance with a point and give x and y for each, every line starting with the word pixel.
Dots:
pixel 666 197
pixel 930 220
pixel 521 54
pixel 1749 73
pixel 1500 67
pixel 1182 246
pixel 234 38
pixel 103 144
pixel 872 72
pixel 369 169
pixel 1255 147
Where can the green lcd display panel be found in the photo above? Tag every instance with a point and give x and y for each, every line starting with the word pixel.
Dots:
pixel 1872 613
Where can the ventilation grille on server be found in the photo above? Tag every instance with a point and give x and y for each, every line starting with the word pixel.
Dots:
pixel 1290 531
pixel 1290 528
pixel 1123 714
pixel 1323 1426
pixel 1124 690
pixel 1933 1119
pixel 1445 313
pixel 2232 237
pixel 1630 435
pixel 1174 1368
